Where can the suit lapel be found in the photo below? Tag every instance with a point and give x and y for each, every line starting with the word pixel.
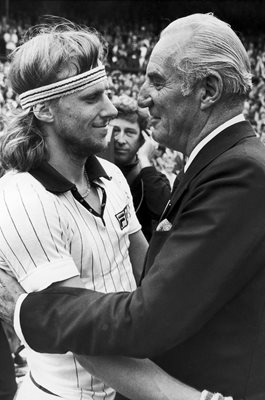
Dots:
pixel 218 145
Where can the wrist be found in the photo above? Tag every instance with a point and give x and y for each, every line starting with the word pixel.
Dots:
pixel 205 395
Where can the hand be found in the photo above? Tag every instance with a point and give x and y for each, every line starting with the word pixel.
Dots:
pixel 147 150
pixel 10 290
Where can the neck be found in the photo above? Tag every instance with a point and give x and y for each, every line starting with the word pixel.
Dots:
pixel 130 163
pixel 73 170
pixel 218 116
pixel 69 165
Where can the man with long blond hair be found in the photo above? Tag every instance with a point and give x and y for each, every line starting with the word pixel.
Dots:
pixel 67 216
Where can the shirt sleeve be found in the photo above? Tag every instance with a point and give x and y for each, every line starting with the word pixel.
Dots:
pixel 34 235
pixel 17 325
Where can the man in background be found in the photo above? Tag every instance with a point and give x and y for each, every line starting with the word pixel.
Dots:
pixel 133 152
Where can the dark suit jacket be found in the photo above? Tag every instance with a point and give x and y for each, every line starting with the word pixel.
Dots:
pixel 8 384
pixel 199 312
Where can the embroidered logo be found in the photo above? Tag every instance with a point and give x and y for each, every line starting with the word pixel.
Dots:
pixel 123 217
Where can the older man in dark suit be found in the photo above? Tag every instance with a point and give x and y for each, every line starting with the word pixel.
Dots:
pixel 199 312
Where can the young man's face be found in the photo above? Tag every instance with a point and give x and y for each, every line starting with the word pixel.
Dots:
pixel 81 120
pixel 127 140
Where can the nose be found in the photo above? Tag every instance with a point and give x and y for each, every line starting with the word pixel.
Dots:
pixel 120 137
pixel 144 98
pixel 108 109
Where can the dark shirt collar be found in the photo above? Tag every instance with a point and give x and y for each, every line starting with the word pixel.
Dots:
pixel 126 169
pixel 54 182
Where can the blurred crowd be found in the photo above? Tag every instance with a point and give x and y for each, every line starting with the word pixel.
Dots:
pixel 129 50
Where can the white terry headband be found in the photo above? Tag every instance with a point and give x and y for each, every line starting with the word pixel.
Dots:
pixel 62 88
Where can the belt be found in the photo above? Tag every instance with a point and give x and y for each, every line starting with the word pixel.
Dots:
pixel 41 387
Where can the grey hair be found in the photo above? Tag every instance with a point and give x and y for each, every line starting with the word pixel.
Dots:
pixel 211 46
pixel 51 52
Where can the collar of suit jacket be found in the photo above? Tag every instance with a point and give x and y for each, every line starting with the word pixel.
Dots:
pixel 215 132
pixel 215 147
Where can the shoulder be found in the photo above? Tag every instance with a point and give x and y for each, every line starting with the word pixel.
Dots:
pixel 20 190
pixel 248 155
pixel 240 170
pixel 109 167
pixel 14 181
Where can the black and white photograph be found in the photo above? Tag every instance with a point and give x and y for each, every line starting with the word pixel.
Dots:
pixel 132 200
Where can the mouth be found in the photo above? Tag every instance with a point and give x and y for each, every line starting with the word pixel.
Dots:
pixel 120 151
pixel 154 116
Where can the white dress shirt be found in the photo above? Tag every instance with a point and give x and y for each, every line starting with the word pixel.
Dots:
pixel 203 142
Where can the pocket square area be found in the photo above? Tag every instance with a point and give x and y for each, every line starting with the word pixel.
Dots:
pixel 164 225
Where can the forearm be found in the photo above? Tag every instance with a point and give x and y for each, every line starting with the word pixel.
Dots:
pixel 171 304
pixel 137 251
pixel 138 379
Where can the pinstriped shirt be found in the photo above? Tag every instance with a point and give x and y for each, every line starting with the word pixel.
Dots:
pixel 47 234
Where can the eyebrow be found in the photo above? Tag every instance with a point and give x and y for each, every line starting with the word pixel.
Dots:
pixel 94 91
pixel 155 75
pixel 126 129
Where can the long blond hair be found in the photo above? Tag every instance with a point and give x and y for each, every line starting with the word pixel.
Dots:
pixel 50 50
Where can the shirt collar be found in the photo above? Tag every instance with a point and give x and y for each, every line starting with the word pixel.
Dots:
pixel 56 183
pixel 203 142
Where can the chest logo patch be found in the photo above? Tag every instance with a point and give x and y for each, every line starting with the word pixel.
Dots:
pixel 123 217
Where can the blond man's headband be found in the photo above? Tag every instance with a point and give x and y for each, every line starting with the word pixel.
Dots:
pixel 62 88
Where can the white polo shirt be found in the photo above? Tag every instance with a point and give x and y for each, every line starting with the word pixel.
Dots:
pixel 48 236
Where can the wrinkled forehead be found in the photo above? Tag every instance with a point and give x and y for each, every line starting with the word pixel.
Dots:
pixel 127 125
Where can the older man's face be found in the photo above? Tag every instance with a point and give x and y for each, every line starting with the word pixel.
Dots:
pixel 174 116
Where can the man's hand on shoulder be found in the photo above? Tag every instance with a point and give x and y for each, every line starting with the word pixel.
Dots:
pixel 10 290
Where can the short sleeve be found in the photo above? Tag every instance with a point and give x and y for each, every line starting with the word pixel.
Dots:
pixel 34 234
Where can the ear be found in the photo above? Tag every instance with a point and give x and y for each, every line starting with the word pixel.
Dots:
pixel 43 112
pixel 212 90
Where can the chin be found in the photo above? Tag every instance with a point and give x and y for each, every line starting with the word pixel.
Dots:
pixel 95 149
pixel 120 160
